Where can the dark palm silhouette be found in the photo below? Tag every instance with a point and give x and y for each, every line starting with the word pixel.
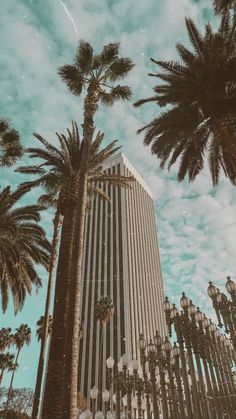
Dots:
pixel 22 245
pixel 201 96
pixel 22 337
pixel 10 147
pixel 6 338
pixel 6 363
pixel 223 6
pixel 40 327
pixel 59 174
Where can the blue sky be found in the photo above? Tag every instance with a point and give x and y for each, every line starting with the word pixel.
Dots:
pixel 196 222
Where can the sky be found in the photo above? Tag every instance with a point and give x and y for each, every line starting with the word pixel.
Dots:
pixel 196 223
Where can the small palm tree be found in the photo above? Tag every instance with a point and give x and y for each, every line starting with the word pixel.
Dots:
pixel 22 337
pixel 40 327
pixel 6 338
pixel 6 363
pixel 11 149
pixel 104 310
pixel 223 6
pixel 59 177
pixel 22 245
pixel 202 93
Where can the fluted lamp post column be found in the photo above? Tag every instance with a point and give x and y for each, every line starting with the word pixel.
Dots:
pixel 173 316
pixel 175 364
pixel 105 399
pixel 110 364
pixel 167 347
pixel 231 288
pixel 186 327
pixel 152 367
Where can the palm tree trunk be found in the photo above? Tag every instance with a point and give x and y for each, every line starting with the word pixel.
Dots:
pixel 71 384
pixel 1 376
pixel 37 393
pixel 55 379
pixel 10 387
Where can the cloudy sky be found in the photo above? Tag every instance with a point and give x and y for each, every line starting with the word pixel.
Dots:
pixel 196 222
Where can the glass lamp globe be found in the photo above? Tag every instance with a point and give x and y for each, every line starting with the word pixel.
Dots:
pixel 192 308
pixel 142 342
pixel 124 400
pixel 87 414
pixel 94 393
pixel 110 362
pixel 166 346
pixel 105 396
pixel 174 312
pixel 206 322
pixel 184 301
pixel 99 415
pixel 175 350
pixel 134 402
pixel 143 405
pixel 151 347
pixel 157 339
pixel 167 305
pixel 212 290
pixel 199 315
pixel 230 286
pixel 217 333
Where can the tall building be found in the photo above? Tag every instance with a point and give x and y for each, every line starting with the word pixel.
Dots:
pixel 121 261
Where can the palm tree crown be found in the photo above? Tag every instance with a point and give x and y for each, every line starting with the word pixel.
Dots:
pixel 40 324
pixel 104 309
pixel 10 147
pixel 202 93
pixel 104 69
pixel 59 173
pixel 222 6
pixel 22 245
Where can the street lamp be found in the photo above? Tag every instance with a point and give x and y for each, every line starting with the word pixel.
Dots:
pixel 94 395
pixel 105 399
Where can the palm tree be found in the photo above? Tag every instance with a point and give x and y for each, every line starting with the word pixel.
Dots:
pixel 202 93
pixel 6 363
pixel 10 147
pixel 22 245
pixel 223 6
pixel 104 311
pixel 58 177
pixel 6 338
pixel 40 327
pixel 22 337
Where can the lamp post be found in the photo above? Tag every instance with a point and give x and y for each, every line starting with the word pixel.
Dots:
pixel 176 369
pixel 167 347
pixel 110 364
pixel 105 399
pixel 94 396
pixel 173 317
pixel 225 308
pixel 186 330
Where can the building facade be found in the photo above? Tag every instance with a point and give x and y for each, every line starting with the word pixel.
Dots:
pixel 122 262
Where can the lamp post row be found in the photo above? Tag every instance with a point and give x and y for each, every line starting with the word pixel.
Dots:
pixel 192 379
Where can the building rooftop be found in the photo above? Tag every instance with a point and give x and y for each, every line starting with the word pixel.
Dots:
pixel 120 158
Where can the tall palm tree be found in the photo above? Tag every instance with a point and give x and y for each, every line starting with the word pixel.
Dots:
pixel 202 93
pixel 22 246
pixel 6 363
pixel 223 6
pixel 60 176
pixel 6 338
pixel 10 146
pixel 104 310
pixel 22 337
pixel 40 327
pixel 97 74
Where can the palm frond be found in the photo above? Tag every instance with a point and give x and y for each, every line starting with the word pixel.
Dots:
pixel 84 57
pixel 195 37
pixel 109 53
pixel 72 77
pixel 119 69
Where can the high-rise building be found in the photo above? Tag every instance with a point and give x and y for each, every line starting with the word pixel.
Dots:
pixel 121 261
